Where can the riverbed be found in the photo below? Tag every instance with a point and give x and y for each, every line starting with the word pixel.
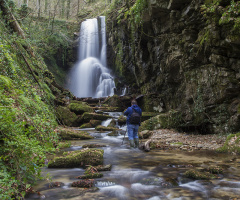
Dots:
pixel 135 174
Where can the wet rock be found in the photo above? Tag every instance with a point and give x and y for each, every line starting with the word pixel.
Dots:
pixel 86 125
pixel 195 174
pixel 71 134
pixel 79 158
pixel 90 176
pixel 113 133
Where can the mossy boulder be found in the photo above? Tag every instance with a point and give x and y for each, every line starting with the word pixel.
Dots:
pixel 122 120
pixel 171 119
pixel 63 145
pixel 83 183
pixel 79 107
pixel 86 125
pixel 104 128
pixel 113 101
pixel 86 117
pixel 147 115
pixel 110 109
pixel 66 117
pixel 204 175
pixel 113 124
pixel 232 144
pixel 95 123
pixel 80 158
pixel 71 134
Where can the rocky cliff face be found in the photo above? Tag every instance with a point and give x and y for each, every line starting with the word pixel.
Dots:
pixel 166 60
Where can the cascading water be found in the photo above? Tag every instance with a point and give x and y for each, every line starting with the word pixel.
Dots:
pixel 90 77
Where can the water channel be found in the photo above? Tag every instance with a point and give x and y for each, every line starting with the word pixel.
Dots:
pixel 135 174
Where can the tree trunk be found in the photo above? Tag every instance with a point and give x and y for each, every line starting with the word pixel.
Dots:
pixel 68 8
pixel 46 7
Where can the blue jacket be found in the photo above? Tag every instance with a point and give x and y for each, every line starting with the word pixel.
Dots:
pixel 129 112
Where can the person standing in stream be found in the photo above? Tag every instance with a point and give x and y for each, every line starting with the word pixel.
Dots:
pixel 133 114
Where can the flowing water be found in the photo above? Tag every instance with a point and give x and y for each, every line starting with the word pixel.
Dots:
pixel 90 77
pixel 154 175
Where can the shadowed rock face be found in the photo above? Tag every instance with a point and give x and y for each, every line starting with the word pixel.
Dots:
pixel 165 61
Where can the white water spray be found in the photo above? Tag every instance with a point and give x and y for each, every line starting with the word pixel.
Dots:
pixel 90 77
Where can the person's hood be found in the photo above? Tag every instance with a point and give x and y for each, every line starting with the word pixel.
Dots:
pixel 136 108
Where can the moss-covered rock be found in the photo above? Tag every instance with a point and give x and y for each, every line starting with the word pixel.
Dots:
pixel 195 174
pixel 79 158
pixel 232 144
pixel 66 117
pixel 93 145
pixel 63 145
pixel 113 101
pixel 122 120
pixel 148 115
pixel 86 117
pixel 104 128
pixel 83 183
pixel 95 123
pixel 86 125
pixel 113 124
pixel 91 176
pixel 71 134
pixel 79 107
pixel 165 120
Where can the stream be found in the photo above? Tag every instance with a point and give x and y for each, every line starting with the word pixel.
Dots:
pixel 135 174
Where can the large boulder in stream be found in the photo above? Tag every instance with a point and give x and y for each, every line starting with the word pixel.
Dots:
pixel 71 134
pixel 104 128
pixel 80 158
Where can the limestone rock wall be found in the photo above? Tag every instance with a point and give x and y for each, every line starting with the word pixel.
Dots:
pixel 166 61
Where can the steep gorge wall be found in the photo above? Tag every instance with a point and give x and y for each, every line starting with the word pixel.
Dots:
pixel 165 61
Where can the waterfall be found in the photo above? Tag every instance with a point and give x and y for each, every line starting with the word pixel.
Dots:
pixel 90 76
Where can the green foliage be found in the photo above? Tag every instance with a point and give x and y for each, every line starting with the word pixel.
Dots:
pixel 223 12
pixel 27 120
pixel 231 145
pixel 136 11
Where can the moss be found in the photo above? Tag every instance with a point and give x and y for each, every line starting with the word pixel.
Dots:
pixel 93 145
pixel 70 134
pixel 111 109
pixel 86 117
pixel 91 176
pixel 67 117
pixel 83 183
pixel 104 128
pixel 122 120
pixel 86 125
pixel 95 123
pixel 113 101
pixel 194 174
pixel 80 158
pixel 62 145
pixel 172 119
pixel 147 115
pixel 80 108
pixel 231 144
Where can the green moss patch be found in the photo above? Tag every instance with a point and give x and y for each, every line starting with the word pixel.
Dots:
pixel 232 144
pixel 80 158
pixel 93 145
pixel 122 120
pixel 195 174
pixel 86 117
pixel 104 128
pixel 66 117
pixel 71 134
pixel 80 107
pixel 86 125
pixel 95 123
pixel 148 115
